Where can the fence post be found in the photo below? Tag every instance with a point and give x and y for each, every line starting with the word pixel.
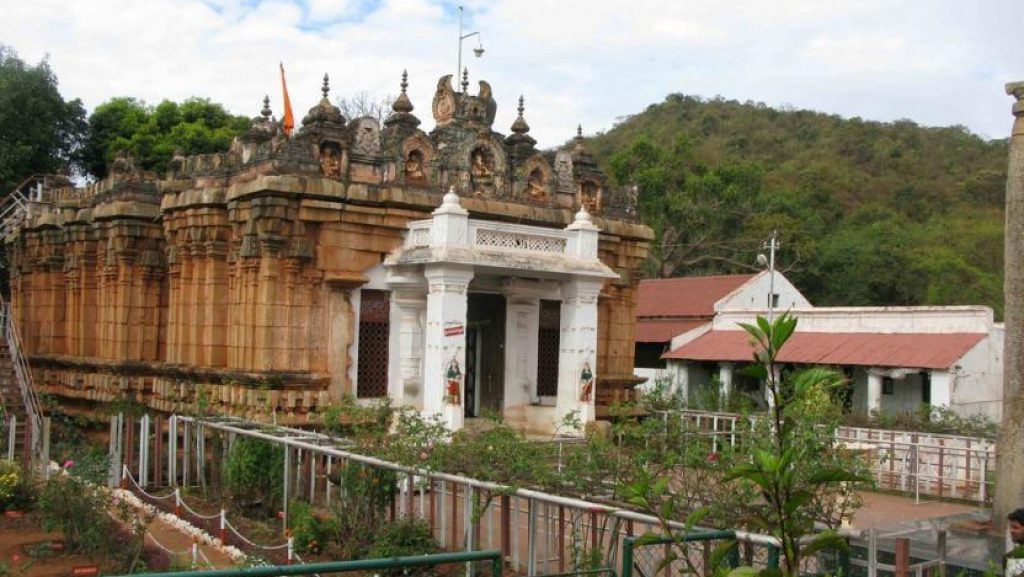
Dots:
pixel 195 552
pixel 291 551
pixel 627 557
pixel 902 561
pixel 223 528
pixel 872 552
pixel 940 552
pixel 177 502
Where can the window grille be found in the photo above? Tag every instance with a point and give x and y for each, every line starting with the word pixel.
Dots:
pixel 549 336
pixel 374 328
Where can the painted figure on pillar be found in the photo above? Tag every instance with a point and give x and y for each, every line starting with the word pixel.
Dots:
pixel 453 378
pixel 586 383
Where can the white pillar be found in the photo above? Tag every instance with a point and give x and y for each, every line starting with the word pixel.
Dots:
pixel 874 396
pixel 522 321
pixel 941 393
pixel 725 374
pixel 680 371
pixel 407 388
pixel 445 338
pixel 578 349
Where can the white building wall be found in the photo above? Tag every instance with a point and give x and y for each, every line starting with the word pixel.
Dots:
pixel 958 319
pixel 754 295
pixel 977 380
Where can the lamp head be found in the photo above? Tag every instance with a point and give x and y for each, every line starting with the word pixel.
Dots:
pixel 478 51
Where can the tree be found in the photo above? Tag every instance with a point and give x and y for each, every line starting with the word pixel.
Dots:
pixel 784 474
pixel 40 132
pixel 151 135
pixel 363 104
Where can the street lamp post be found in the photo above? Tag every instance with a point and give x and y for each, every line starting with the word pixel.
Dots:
pixel 478 51
pixel 771 245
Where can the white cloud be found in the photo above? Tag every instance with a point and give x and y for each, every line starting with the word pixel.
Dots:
pixel 575 61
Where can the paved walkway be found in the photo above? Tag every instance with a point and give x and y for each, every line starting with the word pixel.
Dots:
pixel 173 539
pixel 883 511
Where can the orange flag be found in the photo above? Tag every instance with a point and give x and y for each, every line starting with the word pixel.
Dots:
pixel 288 122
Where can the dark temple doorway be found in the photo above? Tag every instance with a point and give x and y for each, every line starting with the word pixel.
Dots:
pixel 485 354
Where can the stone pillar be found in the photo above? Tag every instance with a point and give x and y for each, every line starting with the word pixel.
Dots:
pixel 874 391
pixel 1010 466
pixel 522 322
pixel 578 349
pixel 445 338
pixel 725 374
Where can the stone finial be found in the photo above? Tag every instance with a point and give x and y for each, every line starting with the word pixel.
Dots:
pixel 402 104
pixel 326 88
pixel 465 79
pixel 579 132
pixel 520 126
pixel 583 221
pixel 1016 90
pixel 450 204
pixel 265 113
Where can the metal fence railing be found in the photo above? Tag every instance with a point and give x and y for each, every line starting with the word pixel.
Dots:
pixel 935 465
pixel 444 564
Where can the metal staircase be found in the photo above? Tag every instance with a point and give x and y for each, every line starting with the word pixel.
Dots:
pixel 22 418
pixel 22 421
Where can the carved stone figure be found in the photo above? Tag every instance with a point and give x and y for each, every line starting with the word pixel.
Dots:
pixel 482 163
pixel 535 185
pixel 414 167
pixel 590 197
pixel 444 101
pixel 330 166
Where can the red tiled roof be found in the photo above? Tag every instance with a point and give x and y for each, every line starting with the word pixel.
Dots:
pixel 910 350
pixel 685 296
pixel 662 331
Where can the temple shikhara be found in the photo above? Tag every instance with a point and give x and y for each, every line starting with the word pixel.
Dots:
pixel 457 271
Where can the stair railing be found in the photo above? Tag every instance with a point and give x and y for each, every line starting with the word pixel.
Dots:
pixel 24 376
pixel 14 206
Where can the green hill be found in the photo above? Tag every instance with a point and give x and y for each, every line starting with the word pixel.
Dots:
pixel 869 213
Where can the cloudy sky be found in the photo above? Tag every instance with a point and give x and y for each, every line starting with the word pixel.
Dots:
pixel 937 62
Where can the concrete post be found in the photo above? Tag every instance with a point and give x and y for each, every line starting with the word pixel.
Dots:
pixel 725 378
pixel 874 396
pixel 1009 493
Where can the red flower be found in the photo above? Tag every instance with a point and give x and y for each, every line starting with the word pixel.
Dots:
pixel 712 457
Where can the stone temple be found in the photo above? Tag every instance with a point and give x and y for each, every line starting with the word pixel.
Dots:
pixel 459 272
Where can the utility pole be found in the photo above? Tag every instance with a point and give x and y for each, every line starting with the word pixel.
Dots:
pixel 1009 493
pixel 771 245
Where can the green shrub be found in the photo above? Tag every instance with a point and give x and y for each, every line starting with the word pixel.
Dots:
pixel 79 510
pixel 311 532
pixel 404 537
pixel 254 474
pixel 10 483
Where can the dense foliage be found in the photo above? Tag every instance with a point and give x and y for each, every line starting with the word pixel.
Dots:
pixel 151 134
pixel 40 133
pixel 869 213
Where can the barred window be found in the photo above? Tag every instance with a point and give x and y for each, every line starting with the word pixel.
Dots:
pixel 374 327
pixel 549 337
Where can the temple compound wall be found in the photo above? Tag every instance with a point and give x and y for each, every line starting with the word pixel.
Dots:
pixel 457 271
